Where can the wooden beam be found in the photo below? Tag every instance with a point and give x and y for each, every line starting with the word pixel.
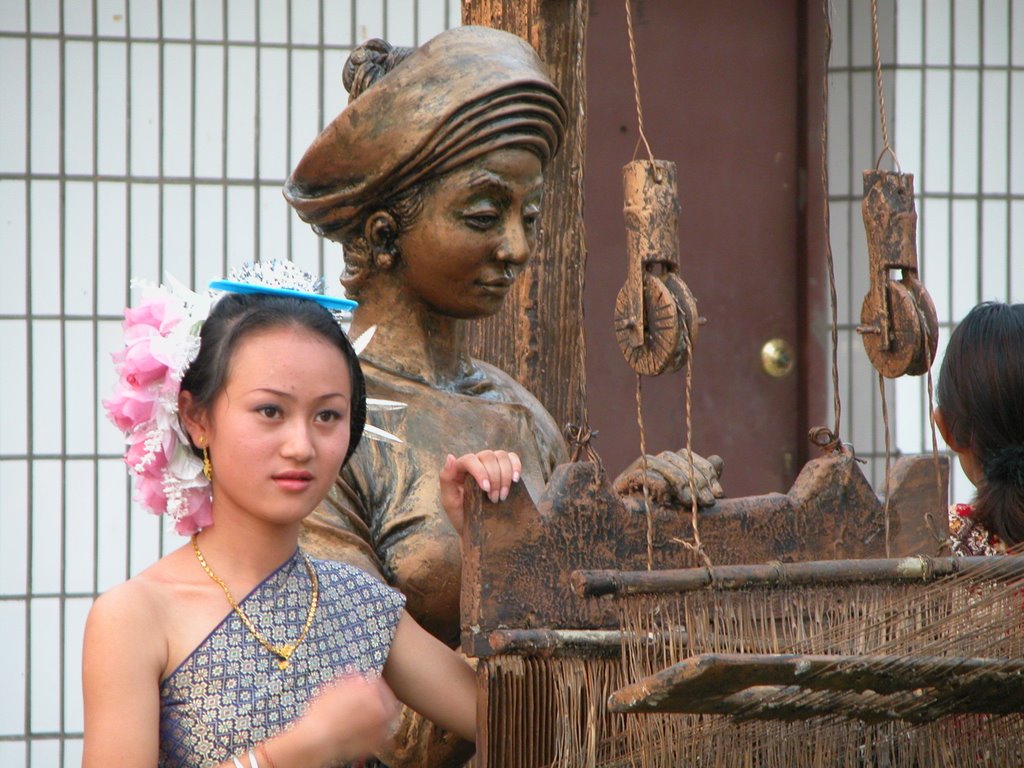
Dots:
pixel 594 583
pixel 759 686
pixel 537 337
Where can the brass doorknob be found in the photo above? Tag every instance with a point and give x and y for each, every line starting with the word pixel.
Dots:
pixel 777 358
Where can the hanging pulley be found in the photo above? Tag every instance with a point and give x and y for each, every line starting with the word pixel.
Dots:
pixel 655 313
pixel 898 323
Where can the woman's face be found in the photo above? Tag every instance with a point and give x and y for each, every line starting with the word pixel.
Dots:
pixel 279 430
pixel 476 231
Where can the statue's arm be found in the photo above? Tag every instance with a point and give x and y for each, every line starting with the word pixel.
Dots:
pixel 338 529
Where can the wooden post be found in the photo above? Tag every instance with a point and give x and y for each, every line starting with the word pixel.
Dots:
pixel 538 335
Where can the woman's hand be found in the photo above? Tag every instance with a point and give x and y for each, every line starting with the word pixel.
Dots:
pixel 668 479
pixel 350 719
pixel 494 472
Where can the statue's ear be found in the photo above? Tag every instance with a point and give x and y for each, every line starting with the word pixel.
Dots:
pixel 381 233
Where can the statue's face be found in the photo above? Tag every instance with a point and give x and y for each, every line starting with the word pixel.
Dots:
pixel 475 232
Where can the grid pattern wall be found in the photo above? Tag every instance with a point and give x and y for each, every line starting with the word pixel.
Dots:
pixel 137 138
pixel 953 77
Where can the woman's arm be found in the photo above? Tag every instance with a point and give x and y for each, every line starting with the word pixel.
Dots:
pixel 121 666
pixel 432 679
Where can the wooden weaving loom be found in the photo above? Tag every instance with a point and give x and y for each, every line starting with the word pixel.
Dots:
pixel 788 664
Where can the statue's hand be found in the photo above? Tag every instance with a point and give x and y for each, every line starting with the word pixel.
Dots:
pixel 494 472
pixel 668 479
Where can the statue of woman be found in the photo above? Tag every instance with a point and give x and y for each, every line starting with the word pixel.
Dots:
pixel 432 180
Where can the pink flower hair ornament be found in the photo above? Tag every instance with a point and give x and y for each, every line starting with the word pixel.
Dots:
pixel 161 337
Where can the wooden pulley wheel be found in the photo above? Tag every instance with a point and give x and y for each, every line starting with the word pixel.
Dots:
pixel 666 332
pixel 655 313
pixel 899 326
pixel 929 326
pixel 913 331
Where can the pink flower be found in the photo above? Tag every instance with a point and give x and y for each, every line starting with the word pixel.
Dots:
pixel 141 362
pixel 157 314
pixel 130 406
pixel 145 457
pixel 200 514
pixel 149 492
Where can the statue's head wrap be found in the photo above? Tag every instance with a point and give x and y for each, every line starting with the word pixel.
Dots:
pixel 466 92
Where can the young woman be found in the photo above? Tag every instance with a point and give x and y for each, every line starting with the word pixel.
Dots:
pixel 237 649
pixel 980 414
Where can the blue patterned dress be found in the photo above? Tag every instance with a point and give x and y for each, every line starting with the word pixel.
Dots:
pixel 230 693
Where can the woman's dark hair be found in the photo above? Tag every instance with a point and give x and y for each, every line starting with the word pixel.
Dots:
pixel 981 396
pixel 236 315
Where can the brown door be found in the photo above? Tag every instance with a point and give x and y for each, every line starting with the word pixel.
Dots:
pixel 723 90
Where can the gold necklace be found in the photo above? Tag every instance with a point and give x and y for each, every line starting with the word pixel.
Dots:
pixel 283 652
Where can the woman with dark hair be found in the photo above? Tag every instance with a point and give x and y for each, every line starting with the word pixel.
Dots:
pixel 238 649
pixel 980 414
pixel 432 180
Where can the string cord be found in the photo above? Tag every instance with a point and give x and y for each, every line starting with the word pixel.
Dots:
pixel 941 541
pixel 636 86
pixel 888 455
pixel 643 463
pixel 695 546
pixel 837 404
pixel 886 146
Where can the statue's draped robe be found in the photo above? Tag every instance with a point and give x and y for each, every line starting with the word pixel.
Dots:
pixel 230 693
pixel 384 513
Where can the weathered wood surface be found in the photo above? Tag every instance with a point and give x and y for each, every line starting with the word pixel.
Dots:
pixel 889 687
pixel 915 569
pixel 537 337
pixel 898 322
pixel 655 312
pixel 518 557
pixel 555 642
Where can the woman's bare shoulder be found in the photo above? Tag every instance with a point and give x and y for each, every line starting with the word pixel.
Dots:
pixel 135 612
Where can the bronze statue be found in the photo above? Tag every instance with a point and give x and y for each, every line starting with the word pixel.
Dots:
pixel 432 179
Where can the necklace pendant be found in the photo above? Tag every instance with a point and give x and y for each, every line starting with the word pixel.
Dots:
pixel 285 652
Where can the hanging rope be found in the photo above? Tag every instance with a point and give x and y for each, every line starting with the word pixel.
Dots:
pixel 643 464
pixel 886 147
pixel 942 541
pixel 639 399
pixel 636 85
pixel 829 441
pixel 888 454
pixel 695 546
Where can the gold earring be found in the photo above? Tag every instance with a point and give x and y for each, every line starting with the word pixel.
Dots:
pixel 207 466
